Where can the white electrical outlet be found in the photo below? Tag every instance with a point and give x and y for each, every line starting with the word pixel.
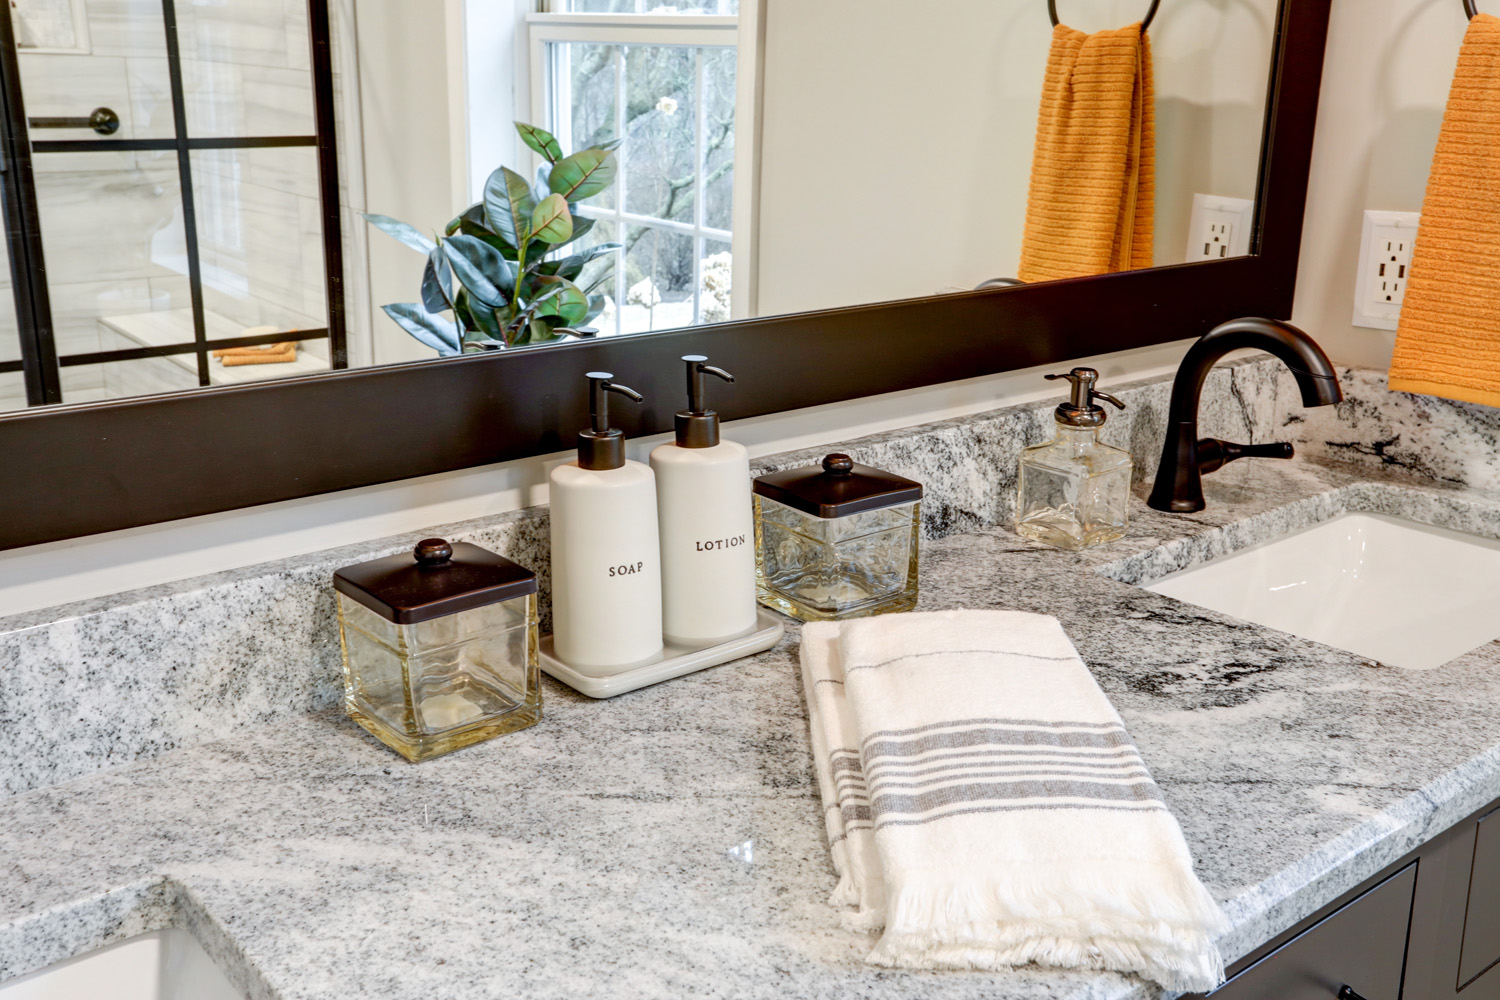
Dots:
pixel 1384 265
pixel 1219 228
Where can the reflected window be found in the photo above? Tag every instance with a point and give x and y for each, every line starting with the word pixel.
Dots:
pixel 663 77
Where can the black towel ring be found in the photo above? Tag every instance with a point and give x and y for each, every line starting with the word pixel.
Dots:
pixel 1151 13
pixel 1470 8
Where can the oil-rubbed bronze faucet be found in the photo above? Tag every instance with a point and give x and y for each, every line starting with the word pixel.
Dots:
pixel 1185 457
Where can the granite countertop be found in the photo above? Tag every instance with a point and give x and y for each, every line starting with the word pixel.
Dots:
pixel 668 843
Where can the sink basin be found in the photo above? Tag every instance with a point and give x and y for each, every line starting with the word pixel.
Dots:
pixel 162 965
pixel 1403 593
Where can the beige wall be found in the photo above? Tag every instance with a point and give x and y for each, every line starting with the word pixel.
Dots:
pixel 409 150
pixel 896 150
pixel 1385 82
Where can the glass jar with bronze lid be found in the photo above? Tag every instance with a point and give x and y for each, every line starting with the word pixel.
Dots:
pixel 440 647
pixel 837 540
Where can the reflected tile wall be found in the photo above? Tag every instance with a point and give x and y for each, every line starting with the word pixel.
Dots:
pixel 112 221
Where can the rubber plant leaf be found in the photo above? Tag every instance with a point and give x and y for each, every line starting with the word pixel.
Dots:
pixel 437 332
pixel 541 141
pixel 484 271
pixel 487 322
pixel 406 233
pixel 584 174
pixel 437 282
pixel 571 267
pixel 581 226
pixel 540 188
pixel 551 222
pixel 610 146
pixel 508 205
pixel 570 303
pixel 471 223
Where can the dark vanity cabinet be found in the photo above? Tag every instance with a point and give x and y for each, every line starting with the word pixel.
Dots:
pixel 1424 928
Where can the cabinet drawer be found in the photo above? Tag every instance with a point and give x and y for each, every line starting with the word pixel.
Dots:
pixel 1362 945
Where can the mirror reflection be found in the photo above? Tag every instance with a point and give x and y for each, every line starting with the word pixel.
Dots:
pixel 227 191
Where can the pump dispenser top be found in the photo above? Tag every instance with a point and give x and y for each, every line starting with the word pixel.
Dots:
pixel 601 446
pixel 698 426
pixel 1080 410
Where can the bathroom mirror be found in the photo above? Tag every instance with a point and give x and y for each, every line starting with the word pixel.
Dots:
pixel 810 192
pixel 155 272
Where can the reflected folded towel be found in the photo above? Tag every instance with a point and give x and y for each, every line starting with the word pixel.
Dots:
pixel 269 354
pixel 1092 204
pixel 986 805
pixel 1448 341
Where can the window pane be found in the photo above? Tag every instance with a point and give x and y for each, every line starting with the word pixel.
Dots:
pixel 714 273
pixel 661 131
pixel 718 137
pixel 599 276
pixel 658 280
pixel 651 6
pixel 115 249
pixel 246 68
pixel 260 246
pixel 585 74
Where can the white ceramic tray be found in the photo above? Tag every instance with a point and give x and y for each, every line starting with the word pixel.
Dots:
pixel 672 661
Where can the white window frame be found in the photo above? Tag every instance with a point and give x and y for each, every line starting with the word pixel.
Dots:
pixel 689 30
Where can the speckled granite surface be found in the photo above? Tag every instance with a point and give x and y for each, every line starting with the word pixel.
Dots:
pixel 668 843
pixel 132 675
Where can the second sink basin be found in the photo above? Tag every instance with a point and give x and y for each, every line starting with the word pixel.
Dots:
pixel 1405 594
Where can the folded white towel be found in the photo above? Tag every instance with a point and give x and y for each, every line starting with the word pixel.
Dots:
pixel 1008 816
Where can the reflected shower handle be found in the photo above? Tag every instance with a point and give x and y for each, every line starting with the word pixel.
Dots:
pixel 101 120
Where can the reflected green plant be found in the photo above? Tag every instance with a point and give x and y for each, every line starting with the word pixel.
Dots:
pixel 495 278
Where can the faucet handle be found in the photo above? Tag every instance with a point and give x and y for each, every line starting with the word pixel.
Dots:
pixel 1214 454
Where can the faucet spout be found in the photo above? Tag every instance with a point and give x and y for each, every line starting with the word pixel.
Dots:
pixel 1184 459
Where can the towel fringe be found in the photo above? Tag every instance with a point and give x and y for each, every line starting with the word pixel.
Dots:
pixel 1154 920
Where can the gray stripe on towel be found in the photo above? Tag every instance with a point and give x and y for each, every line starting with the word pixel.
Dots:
pixel 995 737
pixel 959 652
pixel 1027 807
pixel 956 723
pixel 1137 773
pixel 1102 767
pixel 1054 788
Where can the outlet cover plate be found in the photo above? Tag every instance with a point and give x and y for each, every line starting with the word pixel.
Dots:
pixel 1219 227
pixel 1375 306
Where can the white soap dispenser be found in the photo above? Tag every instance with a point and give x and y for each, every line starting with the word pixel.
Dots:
pixel 707 529
pixel 606 570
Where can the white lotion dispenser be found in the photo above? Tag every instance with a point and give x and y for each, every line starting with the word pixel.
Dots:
pixel 606 570
pixel 707 529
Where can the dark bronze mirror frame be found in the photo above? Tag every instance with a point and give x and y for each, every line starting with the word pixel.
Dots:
pixel 94 467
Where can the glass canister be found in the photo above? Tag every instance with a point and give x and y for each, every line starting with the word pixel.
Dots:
pixel 836 541
pixel 440 647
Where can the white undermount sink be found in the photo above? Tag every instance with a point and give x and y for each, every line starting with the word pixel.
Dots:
pixel 162 965
pixel 1403 593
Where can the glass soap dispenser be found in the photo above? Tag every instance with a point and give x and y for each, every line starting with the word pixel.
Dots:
pixel 836 541
pixel 1074 489
pixel 440 647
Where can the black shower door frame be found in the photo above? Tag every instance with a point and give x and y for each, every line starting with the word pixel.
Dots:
pixel 40 363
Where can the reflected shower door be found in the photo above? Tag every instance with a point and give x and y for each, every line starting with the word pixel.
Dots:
pixel 177 222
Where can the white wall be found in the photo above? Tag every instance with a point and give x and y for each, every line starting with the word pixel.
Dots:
pixel 896 150
pixel 1385 82
pixel 406 104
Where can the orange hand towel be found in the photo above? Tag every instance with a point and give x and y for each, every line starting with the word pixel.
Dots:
pixel 1092 205
pixel 1448 341
pixel 271 354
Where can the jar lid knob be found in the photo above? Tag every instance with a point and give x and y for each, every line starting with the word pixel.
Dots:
pixel 433 552
pixel 838 465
